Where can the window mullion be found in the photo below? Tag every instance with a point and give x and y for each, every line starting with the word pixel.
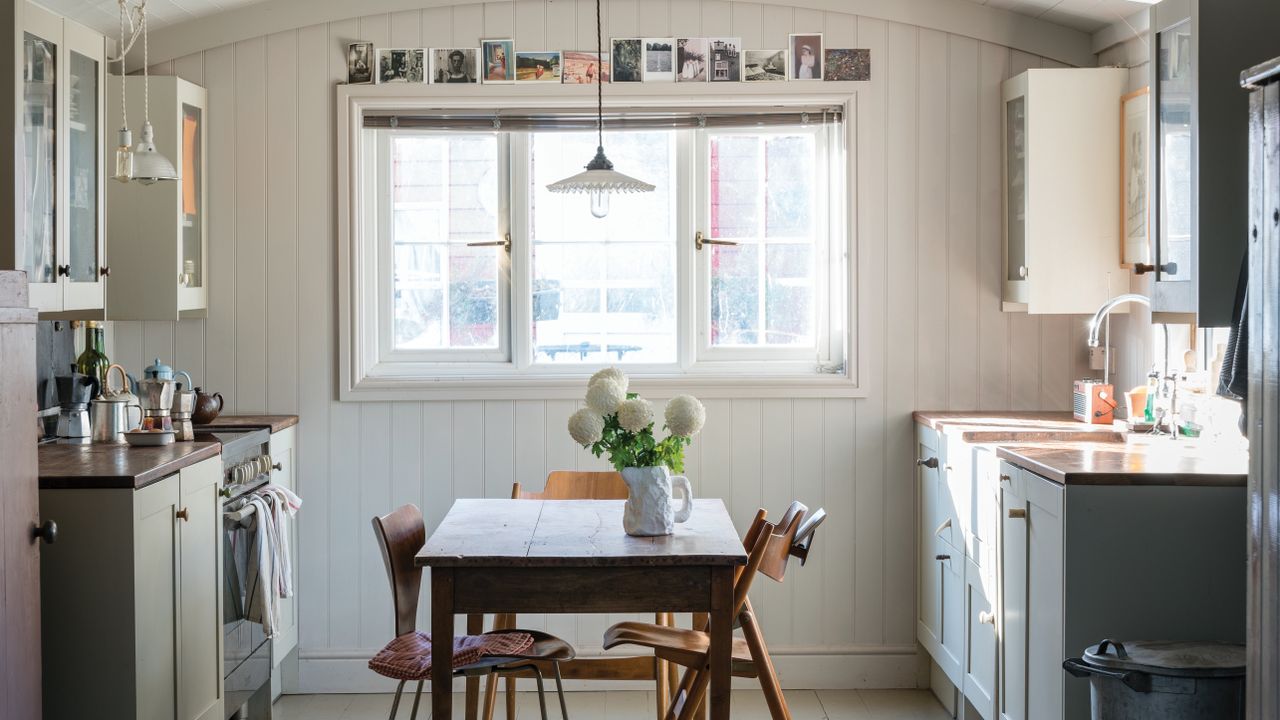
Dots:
pixel 521 317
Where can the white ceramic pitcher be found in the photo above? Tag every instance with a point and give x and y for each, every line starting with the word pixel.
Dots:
pixel 649 508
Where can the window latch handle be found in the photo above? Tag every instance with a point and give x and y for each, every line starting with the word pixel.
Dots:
pixel 699 240
pixel 505 243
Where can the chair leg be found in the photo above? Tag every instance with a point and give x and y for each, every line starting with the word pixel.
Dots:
pixel 511 698
pixel 564 708
pixel 778 709
pixel 395 704
pixel 416 697
pixel 490 696
pixel 542 695
pixel 698 691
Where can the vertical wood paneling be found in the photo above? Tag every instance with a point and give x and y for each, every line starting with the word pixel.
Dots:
pixel 530 24
pixel 777 490
pixel 993 323
pixel 499 19
pixel 251 190
pixel 655 19
pixel 717 18
pixel 373 482
pixel 624 20
pixel 686 18
pixel 838 493
pixel 562 24
pixel 281 308
pixel 807 20
pixel 157 342
pixel 344 537
pixel 809 591
pixel 962 223
pixel 778 23
pixel 1024 329
pixel 437 27
pixel 840 30
pixel 468 25
pixel 586 25
pixel 499 448
pixel 220 336
pixel 748 24
pixel 933 230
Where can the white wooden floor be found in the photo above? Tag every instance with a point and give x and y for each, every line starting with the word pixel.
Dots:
pixel 621 705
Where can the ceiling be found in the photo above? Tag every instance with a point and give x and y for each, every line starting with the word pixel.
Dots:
pixel 1085 15
pixel 104 16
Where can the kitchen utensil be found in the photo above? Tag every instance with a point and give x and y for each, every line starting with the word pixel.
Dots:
pixel 184 401
pixel 156 393
pixel 122 394
pixel 208 405
pixel 110 419
pixel 1173 680
pixel 74 393
pixel 149 438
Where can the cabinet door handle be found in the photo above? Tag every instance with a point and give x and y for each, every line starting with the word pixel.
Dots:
pixel 942 557
pixel 1005 478
pixel 183 515
pixel 278 466
pixel 47 532
pixel 64 270
pixel 931 463
pixel 986 618
pixel 1022 271
pixel 1143 268
pixel 945 524
pixel 1017 513
pixel 104 271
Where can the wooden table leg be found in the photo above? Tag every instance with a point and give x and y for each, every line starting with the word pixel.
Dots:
pixel 442 642
pixel 475 626
pixel 721 651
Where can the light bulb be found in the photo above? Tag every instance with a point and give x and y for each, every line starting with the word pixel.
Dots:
pixel 599 203
pixel 124 157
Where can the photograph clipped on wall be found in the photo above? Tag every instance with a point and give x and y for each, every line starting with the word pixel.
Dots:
pixel 584 68
pixel 847 64
pixel 627 59
pixel 691 60
pixel 726 59
pixel 499 61
pixel 764 65
pixel 806 56
pixel 359 63
pixel 454 65
pixel 400 65
pixel 659 60
pixel 540 66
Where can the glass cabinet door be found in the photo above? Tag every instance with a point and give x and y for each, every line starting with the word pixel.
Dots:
pixel 1173 139
pixel 192 212
pixel 39 118
pixel 83 169
pixel 1016 179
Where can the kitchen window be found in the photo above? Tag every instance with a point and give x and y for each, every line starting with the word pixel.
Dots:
pixel 472 274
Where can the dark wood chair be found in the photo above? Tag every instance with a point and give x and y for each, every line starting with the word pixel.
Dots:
pixel 770 549
pixel 583 485
pixel 400 535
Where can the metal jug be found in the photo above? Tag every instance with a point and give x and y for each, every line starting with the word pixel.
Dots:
pixel 123 394
pixel 110 419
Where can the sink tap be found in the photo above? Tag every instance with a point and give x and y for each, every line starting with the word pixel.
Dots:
pixel 1095 326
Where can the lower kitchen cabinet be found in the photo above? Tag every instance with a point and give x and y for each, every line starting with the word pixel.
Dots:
pixel 282 449
pixel 980 642
pixel 132 616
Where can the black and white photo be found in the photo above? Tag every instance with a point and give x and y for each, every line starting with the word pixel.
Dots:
pixel 806 56
pixel 691 59
pixel 764 65
pixel 726 59
pixel 400 65
pixel 359 63
pixel 454 65
pixel 659 60
pixel 626 60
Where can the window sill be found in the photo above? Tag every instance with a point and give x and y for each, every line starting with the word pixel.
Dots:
pixel 572 387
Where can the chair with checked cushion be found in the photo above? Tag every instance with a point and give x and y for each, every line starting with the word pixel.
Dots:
pixel 408 657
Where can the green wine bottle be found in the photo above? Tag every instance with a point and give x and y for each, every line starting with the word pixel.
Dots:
pixel 93 361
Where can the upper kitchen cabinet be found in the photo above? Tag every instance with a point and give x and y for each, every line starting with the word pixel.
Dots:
pixel 1201 142
pixel 1062 189
pixel 158 233
pixel 61 247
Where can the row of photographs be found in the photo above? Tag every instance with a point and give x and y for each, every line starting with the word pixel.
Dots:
pixel 631 60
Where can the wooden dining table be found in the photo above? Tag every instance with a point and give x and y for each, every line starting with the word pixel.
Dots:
pixel 572 556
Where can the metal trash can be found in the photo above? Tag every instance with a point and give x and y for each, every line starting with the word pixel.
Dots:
pixel 1138 680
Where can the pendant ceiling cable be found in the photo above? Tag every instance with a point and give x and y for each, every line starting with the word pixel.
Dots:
pixel 144 162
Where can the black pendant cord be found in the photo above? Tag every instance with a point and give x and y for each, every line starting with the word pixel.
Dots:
pixel 599 79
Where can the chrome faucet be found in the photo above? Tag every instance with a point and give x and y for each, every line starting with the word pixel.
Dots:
pixel 1095 326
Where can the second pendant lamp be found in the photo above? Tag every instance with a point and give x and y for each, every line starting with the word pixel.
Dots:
pixel 143 163
pixel 599 179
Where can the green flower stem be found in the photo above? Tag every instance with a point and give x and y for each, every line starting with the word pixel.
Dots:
pixel 641 449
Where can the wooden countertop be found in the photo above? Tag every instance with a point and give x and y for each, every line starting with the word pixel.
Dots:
pixel 1002 426
pixel 117 466
pixel 275 423
pixel 1139 461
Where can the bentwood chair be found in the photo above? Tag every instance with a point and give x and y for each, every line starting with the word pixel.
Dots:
pixel 575 485
pixel 401 534
pixel 770 548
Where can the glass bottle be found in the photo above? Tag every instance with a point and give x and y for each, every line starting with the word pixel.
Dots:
pixel 93 361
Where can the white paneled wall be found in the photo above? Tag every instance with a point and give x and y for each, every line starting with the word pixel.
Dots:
pixel 928 240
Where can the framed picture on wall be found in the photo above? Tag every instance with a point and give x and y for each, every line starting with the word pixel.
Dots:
pixel 659 60
pixel 540 66
pixel 359 63
pixel 455 65
pixel 806 56
pixel 499 61
pixel 400 65
pixel 1135 204
pixel 627 60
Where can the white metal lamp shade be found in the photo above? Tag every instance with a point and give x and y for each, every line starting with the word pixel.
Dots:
pixel 600 180
pixel 149 165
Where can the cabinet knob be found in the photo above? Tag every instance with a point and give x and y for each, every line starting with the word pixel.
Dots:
pixel 945 524
pixel 1022 271
pixel 64 270
pixel 1143 268
pixel 1017 513
pixel 278 466
pixel 104 271
pixel 183 515
pixel 931 463
pixel 986 618
pixel 941 557
pixel 1005 478
pixel 47 532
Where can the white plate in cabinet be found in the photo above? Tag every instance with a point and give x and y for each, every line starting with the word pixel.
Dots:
pixel 1061 190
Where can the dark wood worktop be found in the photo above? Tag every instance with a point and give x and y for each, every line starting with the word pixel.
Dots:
pixel 117 466
pixel 1141 461
pixel 274 423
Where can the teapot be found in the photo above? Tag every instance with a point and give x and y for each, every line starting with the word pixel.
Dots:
pixel 649 510
pixel 207 407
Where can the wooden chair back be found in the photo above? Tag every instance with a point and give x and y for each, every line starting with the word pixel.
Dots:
pixel 792 537
pixel 577 485
pixel 755 556
pixel 401 533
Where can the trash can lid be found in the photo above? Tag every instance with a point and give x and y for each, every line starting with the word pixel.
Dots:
pixel 1176 659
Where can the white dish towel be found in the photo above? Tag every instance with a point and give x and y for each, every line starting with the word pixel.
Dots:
pixel 270 572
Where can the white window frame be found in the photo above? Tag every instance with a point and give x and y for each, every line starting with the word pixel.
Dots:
pixel 363 376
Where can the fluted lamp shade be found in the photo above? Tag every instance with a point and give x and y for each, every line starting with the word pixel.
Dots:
pixel 149 165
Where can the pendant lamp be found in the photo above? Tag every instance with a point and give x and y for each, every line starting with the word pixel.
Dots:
pixel 143 163
pixel 599 178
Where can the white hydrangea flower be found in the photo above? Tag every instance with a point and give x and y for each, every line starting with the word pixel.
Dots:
pixel 614 374
pixel 586 427
pixel 635 414
pixel 685 415
pixel 604 396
